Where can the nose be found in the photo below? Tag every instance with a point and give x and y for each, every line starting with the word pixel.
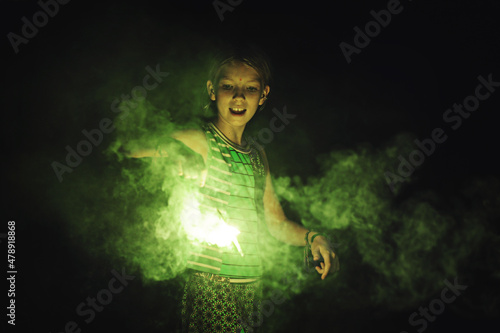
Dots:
pixel 238 94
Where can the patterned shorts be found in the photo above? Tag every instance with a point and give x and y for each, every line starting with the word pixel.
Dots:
pixel 212 304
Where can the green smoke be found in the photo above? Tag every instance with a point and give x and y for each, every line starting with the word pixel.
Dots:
pixel 395 249
pixel 127 209
pixel 130 210
pixel 404 245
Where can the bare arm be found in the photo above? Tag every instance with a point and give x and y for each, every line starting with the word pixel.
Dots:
pixel 183 147
pixel 278 224
pixel 292 233
pixel 194 139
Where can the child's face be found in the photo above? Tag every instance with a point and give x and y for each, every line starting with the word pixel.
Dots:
pixel 239 93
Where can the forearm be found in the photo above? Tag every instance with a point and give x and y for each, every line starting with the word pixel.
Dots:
pixel 278 224
pixel 146 152
pixel 138 148
pixel 290 232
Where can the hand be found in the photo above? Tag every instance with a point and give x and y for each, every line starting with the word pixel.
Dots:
pixel 321 248
pixel 192 173
pixel 192 167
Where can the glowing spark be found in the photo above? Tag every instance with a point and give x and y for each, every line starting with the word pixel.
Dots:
pixel 208 228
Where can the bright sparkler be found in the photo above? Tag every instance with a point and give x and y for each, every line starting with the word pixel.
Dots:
pixel 208 228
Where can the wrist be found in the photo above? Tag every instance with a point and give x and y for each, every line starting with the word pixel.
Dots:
pixel 308 238
pixel 311 235
pixel 319 236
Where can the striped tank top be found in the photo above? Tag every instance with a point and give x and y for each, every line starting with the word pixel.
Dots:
pixel 233 189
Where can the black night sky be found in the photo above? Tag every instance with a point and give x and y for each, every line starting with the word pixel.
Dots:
pixel 430 56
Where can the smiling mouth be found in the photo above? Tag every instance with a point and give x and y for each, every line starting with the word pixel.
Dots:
pixel 237 111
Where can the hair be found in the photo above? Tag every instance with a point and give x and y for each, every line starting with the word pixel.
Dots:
pixel 248 54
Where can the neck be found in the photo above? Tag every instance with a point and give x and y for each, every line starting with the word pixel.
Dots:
pixel 233 133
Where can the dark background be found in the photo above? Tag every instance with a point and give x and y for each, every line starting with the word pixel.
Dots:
pixel 426 59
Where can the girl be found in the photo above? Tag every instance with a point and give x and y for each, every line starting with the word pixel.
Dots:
pixel 223 289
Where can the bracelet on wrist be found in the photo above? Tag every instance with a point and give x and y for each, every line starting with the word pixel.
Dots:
pixel 318 234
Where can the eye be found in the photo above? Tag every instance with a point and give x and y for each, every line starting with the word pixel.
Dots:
pixel 227 86
pixel 252 89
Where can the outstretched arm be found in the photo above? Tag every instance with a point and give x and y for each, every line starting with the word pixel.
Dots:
pixel 194 139
pixel 183 147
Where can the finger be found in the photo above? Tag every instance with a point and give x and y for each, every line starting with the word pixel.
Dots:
pixel 203 177
pixel 316 254
pixel 328 264
pixel 179 168
pixel 190 175
pixel 320 269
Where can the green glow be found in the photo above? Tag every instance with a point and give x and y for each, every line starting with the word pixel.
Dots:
pixel 128 210
pixel 207 228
